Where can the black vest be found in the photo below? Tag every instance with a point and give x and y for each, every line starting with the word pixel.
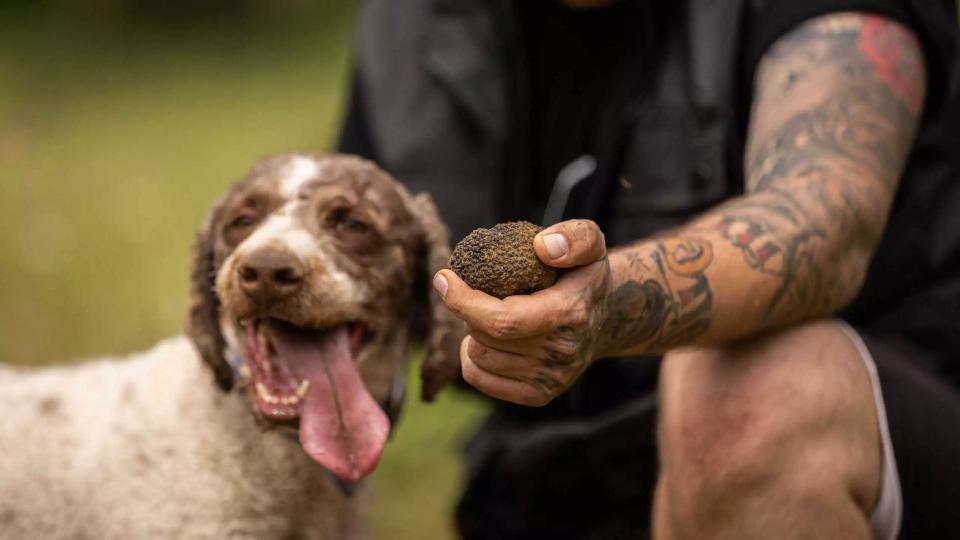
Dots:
pixel 436 82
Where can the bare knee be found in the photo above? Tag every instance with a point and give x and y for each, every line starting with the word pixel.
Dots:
pixel 789 413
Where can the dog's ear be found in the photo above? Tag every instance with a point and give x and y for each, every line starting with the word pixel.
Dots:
pixel 203 320
pixel 440 330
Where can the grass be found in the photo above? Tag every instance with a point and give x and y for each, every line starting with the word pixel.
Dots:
pixel 116 133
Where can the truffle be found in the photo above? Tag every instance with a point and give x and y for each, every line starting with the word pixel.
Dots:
pixel 500 261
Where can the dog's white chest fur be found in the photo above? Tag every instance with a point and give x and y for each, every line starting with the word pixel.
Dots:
pixel 149 448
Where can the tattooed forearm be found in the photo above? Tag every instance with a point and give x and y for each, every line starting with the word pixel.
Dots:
pixel 671 305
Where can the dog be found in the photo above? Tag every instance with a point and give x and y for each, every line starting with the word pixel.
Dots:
pixel 310 281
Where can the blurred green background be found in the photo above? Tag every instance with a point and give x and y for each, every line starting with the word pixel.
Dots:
pixel 120 122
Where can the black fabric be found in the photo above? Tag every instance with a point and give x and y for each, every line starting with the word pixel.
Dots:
pixel 584 466
pixel 923 414
pixel 671 163
pixel 582 69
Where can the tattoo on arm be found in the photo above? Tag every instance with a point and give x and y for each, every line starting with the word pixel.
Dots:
pixel 823 178
pixel 877 69
pixel 670 307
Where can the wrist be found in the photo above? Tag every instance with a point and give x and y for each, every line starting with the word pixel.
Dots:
pixel 640 304
pixel 618 303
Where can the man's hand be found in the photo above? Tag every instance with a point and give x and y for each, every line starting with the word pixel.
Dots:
pixel 528 349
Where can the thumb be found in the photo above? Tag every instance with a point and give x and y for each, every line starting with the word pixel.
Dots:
pixel 576 242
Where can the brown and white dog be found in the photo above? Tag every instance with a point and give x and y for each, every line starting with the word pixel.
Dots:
pixel 310 279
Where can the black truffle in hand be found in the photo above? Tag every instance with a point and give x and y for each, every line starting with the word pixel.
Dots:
pixel 501 262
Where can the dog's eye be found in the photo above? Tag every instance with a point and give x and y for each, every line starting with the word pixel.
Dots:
pixel 243 221
pixel 350 224
pixel 353 229
pixel 345 220
pixel 239 227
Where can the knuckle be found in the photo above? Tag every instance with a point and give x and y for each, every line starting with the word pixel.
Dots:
pixel 578 316
pixel 542 390
pixel 588 227
pixel 476 350
pixel 503 325
pixel 478 382
pixel 470 376
pixel 586 230
pixel 565 351
pixel 450 300
pixel 466 368
pixel 485 358
pixel 471 373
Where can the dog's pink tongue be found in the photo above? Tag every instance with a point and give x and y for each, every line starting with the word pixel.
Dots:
pixel 341 426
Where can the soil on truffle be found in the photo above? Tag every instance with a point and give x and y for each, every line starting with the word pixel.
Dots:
pixel 501 262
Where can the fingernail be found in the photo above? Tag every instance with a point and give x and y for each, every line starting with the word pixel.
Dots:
pixel 556 245
pixel 440 284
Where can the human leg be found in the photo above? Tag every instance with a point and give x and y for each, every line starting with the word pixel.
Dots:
pixel 773 437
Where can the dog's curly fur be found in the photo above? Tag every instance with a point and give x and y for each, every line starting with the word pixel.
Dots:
pixel 163 445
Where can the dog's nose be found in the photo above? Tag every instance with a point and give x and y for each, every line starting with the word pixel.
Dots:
pixel 267 275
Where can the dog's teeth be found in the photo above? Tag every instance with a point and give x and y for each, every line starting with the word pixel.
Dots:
pixel 265 394
pixel 302 389
pixel 288 400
